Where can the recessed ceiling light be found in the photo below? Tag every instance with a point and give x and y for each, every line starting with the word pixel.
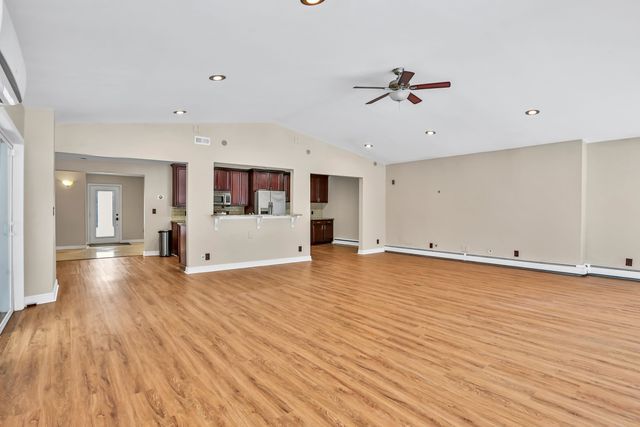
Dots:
pixel 180 112
pixel 311 2
pixel 217 77
pixel 369 146
pixel 532 112
pixel 430 132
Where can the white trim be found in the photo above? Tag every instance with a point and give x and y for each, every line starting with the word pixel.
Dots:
pixel 43 298
pixel 132 241
pixel 613 272
pixel 371 251
pixel 579 270
pixel 151 253
pixel 62 248
pixel 248 264
pixel 345 242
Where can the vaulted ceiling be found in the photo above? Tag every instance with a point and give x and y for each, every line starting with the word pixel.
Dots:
pixel 137 61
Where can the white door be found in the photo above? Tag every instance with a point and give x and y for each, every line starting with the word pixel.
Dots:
pixel 6 285
pixel 104 213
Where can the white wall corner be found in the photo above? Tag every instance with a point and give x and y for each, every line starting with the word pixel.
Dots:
pixel 43 298
pixel 371 251
pixel 248 264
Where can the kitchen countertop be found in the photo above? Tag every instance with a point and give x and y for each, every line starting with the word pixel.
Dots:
pixel 321 219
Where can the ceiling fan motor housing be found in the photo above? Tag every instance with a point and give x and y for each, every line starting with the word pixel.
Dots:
pixel 400 95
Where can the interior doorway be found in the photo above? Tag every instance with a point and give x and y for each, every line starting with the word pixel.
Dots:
pixel 104 205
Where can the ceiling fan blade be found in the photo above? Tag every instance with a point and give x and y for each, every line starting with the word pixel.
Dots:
pixel 378 98
pixel 405 77
pixel 414 99
pixel 369 87
pixel 439 85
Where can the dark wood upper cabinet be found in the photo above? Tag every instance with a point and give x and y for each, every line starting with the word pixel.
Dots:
pixel 239 188
pixel 179 185
pixel 287 185
pixel 276 181
pixel 319 188
pixel 221 179
pixel 260 180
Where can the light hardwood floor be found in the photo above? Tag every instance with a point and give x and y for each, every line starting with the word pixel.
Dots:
pixel 93 252
pixel 386 339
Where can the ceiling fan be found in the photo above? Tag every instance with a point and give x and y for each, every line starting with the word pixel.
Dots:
pixel 400 89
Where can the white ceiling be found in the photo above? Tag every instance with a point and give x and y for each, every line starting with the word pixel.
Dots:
pixel 138 60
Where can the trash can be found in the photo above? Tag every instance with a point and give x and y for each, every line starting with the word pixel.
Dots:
pixel 165 242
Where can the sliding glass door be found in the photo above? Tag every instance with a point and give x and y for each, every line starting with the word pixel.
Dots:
pixel 6 298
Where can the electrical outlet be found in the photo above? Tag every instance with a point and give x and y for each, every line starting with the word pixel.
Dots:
pixel 430 245
pixel 516 253
pixel 154 211
pixel 629 262
pixel 299 248
pixel 207 256
pixel 393 182
pixel 377 241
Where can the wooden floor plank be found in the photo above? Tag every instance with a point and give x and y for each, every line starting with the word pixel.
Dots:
pixel 384 340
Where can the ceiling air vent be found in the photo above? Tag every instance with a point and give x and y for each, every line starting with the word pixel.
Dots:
pixel 201 140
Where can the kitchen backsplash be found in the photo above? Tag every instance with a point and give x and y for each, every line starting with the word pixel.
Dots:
pixel 317 210
pixel 230 210
pixel 178 214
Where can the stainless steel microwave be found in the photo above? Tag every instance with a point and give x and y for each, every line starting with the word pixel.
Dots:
pixel 222 198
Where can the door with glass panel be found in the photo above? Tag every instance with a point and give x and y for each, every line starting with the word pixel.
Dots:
pixel 104 213
pixel 6 285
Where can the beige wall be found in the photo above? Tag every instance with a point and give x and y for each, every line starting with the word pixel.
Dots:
pixel 132 215
pixel 71 226
pixel 261 145
pixel 613 203
pixel 156 178
pixel 491 204
pixel 343 207
pixel 39 202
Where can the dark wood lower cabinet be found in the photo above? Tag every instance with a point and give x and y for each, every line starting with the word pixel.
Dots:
pixel 179 241
pixel 321 231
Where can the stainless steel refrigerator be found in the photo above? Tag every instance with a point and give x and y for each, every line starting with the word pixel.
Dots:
pixel 270 202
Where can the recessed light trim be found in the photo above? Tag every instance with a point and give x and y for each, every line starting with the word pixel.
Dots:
pixel 311 2
pixel 217 77
pixel 532 112
pixel 430 132
pixel 368 146
pixel 180 112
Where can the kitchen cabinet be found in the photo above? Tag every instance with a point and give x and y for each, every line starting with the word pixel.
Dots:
pixel 179 185
pixel 179 241
pixel 321 231
pixel 239 188
pixel 260 180
pixel 175 238
pixel 276 181
pixel 182 249
pixel 222 179
pixel 287 185
pixel 319 188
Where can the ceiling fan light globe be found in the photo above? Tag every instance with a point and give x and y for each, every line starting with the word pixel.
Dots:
pixel 400 95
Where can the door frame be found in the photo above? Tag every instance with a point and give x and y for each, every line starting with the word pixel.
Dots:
pixel 9 178
pixel 118 209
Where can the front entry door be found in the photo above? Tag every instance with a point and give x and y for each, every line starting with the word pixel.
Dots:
pixel 104 213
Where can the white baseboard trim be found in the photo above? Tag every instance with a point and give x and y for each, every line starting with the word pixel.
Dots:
pixel 371 251
pixel 579 270
pixel 43 298
pixel 345 242
pixel 132 241
pixel 61 248
pixel 249 264
pixel 613 272
pixel 151 253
